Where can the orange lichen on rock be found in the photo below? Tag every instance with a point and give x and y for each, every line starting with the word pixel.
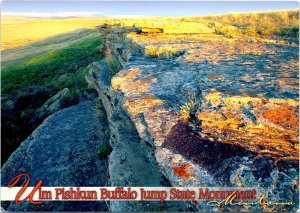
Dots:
pixel 137 105
pixel 259 124
pixel 125 81
pixel 212 76
pixel 181 170
pixel 282 116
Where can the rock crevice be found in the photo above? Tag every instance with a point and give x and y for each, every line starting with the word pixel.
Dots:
pixel 132 161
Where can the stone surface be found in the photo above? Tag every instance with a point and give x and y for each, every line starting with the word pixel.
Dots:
pixel 265 126
pixel 233 98
pixel 222 113
pixel 62 151
pixel 132 161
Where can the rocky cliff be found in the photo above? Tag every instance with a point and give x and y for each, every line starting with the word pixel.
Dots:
pixel 200 113
pixel 180 110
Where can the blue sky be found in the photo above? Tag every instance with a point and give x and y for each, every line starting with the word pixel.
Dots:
pixel 140 8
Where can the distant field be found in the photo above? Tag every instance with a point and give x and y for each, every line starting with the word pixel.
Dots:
pixel 20 31
pixel 35 67
pixel 32 74
pixel 16 55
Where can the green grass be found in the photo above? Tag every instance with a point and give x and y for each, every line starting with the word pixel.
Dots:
pixel 113 65
pixel 10 56
pixel 31 75
pixel 46 68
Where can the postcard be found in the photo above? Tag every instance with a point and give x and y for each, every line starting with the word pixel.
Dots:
pixel 149 106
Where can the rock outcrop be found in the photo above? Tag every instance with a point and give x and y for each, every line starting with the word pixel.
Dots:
pixel 209 117
pixel 52 105
pixel 217 111
pixel 132 161
pixel 62 151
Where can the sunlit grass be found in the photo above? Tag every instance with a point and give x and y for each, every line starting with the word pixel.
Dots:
pixel 162 52
pixel 20 31
pixel 254 24
pixel 33 74
pixel 46 68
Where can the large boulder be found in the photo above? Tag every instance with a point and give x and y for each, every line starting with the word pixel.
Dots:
pixel 63 151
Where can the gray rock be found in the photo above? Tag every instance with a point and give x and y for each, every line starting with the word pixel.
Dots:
pixel 131 162
pixel 53 104
pixel 63 77
pixel 150 94
pixel 62 151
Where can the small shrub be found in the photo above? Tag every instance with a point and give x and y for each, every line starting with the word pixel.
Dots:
pixel 114 65
pixel 31 97
pixel 189 108
pixel 151 51
pixel 71 98
pixel 250 53
pixel 292 31
pixel 104 150
pixel 163 52
pixel 100 111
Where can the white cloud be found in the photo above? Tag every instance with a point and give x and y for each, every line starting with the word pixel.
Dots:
pixel 126 16
pixel 59 14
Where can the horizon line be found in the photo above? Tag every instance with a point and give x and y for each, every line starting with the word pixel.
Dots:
pixel 102 15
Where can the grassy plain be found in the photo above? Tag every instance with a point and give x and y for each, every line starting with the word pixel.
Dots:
pixel 19 31
pixel 33 73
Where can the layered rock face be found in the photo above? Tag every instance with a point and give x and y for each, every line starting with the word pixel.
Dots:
pixel 132 161
pixel 201 111
pixel 177 110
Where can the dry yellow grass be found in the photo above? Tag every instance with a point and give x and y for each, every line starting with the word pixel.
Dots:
pixel 19 31
pixel 162 52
